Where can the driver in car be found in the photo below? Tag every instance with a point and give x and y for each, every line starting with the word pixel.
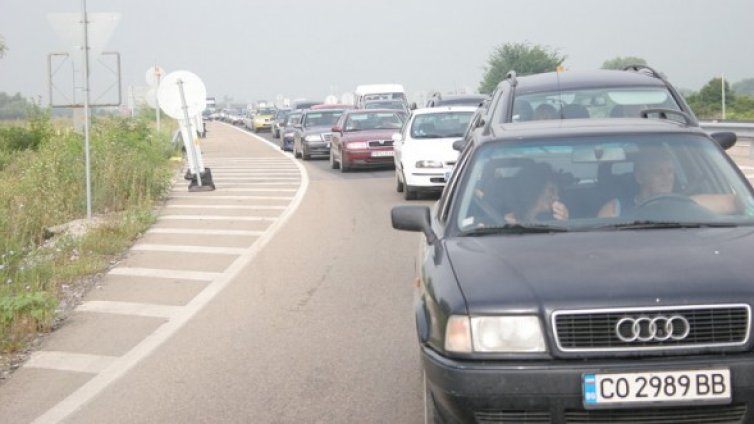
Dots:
pixel 655 175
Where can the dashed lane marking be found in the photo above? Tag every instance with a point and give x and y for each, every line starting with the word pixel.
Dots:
pixel 67 361
pixel 129 308
pixel 165 273
pixel 187 249
pixel 221 197
pixel 194 231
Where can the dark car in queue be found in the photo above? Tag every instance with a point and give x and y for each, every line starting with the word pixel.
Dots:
pixel 288 131
pixel 278 122
pixel 362 138
pixel 588 271
pixel 313 133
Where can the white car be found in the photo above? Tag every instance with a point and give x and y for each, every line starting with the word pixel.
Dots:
pixel 424 154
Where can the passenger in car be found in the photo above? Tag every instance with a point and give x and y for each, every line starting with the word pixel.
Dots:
pixel 535 195
pixel 545 111
pixel 655 175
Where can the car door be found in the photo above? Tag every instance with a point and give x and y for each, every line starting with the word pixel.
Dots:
pixel 398 145
pixel 337 138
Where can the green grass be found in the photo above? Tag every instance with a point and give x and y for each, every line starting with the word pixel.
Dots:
pixel 43 185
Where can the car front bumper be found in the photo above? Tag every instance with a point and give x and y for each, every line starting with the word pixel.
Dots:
pixel 472 391
pixel 430 179
pixel 316 148
pixel 368 158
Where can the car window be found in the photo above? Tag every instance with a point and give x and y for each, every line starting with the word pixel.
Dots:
pixel 321 119
pixel 440 125
pixel 620 102
pixel 374 120
pixel 603 181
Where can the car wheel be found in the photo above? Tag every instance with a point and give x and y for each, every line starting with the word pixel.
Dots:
pixel 343 167
pixel 304 155
pixel 295 152
pixel 333 163
pixel 398 184
pixel 431 414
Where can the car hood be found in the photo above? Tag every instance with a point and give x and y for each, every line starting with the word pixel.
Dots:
pixel 365 135
pixel 317 130
pixel 578 270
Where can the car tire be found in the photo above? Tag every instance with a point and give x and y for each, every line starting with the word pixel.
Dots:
pixel 410 193
pixel 333 163
pixel 304 155
pixel 398 184
pixel 343 167
pixel 431 414
pixel 295 152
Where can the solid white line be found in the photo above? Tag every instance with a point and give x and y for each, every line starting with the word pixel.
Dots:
pixel 230 182
pixel 217 218
pixel 165 273
pixel 194 231
pixel 68 361
pixel 245 207
pixel 107 376
pixel 188 249
pixel 129 308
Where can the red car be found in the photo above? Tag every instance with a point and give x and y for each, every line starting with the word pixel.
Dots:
pixel 362 138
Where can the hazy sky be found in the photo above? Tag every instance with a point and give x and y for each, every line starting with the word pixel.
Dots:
pixel 252 50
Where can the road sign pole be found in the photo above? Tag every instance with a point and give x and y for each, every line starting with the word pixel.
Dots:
pixel 187 120
pixel 85 55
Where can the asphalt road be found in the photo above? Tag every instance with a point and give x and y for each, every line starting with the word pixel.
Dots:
pixel 316 327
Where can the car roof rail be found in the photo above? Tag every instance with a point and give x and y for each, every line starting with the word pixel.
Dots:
pixel 663 112
pixel 652 72
pixel 511 75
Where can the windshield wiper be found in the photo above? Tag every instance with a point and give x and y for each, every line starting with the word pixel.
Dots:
pixel 651 225
pixel 515 229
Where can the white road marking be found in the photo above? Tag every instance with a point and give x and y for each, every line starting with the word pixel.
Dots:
pixel 188 249
pixel 216 218
pixel 237 197
pixel 122 365
pixel 200 232
pixel 129 308
pixel 165 273
pixel 68 361
pixel 245 207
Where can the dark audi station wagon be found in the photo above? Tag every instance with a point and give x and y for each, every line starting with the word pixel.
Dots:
pixel 585 271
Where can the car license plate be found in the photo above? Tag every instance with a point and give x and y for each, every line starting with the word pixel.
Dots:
pixel 629 389
pixel 382 153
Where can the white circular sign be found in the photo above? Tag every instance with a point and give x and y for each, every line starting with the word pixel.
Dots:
pixel 154 75
pixel 169 94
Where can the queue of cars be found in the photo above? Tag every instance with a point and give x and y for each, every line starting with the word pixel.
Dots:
pixel 587 258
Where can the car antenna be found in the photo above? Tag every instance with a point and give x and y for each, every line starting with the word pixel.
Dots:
pixel 558 69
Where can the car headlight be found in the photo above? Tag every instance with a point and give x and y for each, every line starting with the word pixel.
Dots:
pixel 357 145
pixel 315 137
pixel 494 334
pixel 428 164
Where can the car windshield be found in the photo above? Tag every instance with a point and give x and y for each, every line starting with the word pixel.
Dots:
pixel 440 125
pixel 282 114
pixel 322 119
pixel 374 121
pixel 292 118
pixel 387 104
pixel 461 101
pixel 265 111
pixel 603 183
pixel 622 102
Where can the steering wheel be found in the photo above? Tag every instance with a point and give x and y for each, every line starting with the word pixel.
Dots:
pixel 673 206
pixel 490 212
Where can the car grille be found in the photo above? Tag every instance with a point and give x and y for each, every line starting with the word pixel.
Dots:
pixel 723 414
pixel 723 325
pixel 327 136
pixel 380 143
pixel 717 414
pixel 518 417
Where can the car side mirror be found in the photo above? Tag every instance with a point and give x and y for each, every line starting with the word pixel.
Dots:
pixel 459 144
pixel 726 140
pixel 396 137
pixel 297 126
pixel 413 106
pixel 480 123
pixel 336 129
pixel 413 218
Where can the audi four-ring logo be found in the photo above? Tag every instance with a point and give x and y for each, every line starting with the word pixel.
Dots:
pixel 659 328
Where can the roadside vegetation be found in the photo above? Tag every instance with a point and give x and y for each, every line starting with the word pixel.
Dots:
pixel 42 186
pixel 707 103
